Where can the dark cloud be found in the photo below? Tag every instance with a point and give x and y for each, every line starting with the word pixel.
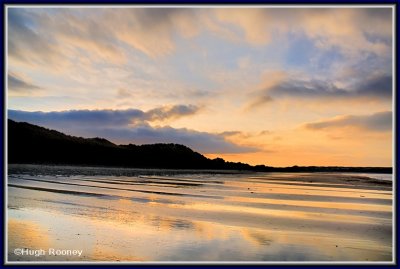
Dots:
pixel 308 89
pixel 17 84
pixel 376 88
pixel 379 122
pixel 130 126
pixel 101 117
pixel 146 134
pixel 76 118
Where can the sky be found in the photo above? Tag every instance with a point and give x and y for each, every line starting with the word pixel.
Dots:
pixel 261 85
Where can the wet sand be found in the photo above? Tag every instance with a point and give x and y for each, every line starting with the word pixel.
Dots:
pixel 167 216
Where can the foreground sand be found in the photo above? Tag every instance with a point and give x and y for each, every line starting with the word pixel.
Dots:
pixel 200 217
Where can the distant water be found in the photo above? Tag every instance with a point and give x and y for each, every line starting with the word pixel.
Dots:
pixel 164 215
pixel 386 177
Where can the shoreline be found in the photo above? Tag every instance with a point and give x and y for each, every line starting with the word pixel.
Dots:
pixel 25 167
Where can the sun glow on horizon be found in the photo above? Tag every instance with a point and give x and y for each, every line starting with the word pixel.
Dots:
pixel 275 86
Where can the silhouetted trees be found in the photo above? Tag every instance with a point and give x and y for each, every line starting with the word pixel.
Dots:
pixel 28 143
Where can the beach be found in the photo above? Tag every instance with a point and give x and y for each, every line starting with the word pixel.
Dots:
pixel 149 215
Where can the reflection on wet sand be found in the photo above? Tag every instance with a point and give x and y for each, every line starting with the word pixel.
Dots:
pixel 249 223
pixel 26 234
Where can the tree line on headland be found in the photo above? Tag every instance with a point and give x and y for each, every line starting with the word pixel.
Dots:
pixel 32 144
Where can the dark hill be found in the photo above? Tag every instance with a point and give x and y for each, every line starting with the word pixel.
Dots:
pixel 28 143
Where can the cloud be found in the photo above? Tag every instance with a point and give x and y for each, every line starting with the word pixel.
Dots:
pixel 253 22
pixel 41 34
pixel 82 30
pixel 152 30
pixel 377 122
pixel 101 117
pixel 261 100
pixel 145 134
pixel 77 118
pixel 171 112
pixel 84 42
pixel 230 133
pixel 28 45
pixel 374 88
pixel 18 84
pixel 349 29
pixel 245 134
pixel 378 87
pixel 131 126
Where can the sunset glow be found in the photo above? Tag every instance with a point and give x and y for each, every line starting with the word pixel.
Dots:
pixel 259 85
